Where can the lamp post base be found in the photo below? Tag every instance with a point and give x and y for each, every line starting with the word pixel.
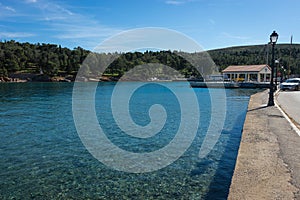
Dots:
pixel 271 96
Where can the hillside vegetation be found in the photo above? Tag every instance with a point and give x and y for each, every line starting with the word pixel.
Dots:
pixel 49 59
pixel 288 56
pixel 53 60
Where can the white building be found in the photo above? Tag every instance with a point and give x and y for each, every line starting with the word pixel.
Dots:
pixel 248 73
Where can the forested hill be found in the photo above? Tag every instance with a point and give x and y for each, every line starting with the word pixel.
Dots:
pixel 50 59
pixel 55 61
pixel 288 56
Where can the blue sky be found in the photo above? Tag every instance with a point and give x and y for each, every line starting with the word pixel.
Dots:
pixel 211 23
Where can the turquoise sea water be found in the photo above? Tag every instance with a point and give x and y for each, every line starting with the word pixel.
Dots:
pixel 42 156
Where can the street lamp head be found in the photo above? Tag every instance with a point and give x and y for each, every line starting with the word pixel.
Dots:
pixel 273 37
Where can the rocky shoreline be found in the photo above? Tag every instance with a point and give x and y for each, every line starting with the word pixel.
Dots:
pixel 28 77
pixel 31 77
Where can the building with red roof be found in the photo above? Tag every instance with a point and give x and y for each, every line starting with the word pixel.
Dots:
pixel 248 73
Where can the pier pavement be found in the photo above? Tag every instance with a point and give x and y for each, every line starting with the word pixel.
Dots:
pixel 268 162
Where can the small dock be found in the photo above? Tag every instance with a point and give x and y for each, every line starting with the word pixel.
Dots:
pixel 232 85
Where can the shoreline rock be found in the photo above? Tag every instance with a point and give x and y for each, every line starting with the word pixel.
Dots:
pixel 30 77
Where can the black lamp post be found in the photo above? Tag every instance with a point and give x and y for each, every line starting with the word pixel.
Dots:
pixel 276 72
pixel 273 40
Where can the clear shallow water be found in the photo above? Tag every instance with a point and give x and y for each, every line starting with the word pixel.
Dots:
pixel 42 156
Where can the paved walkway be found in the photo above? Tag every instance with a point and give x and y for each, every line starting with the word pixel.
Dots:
pixel 268 163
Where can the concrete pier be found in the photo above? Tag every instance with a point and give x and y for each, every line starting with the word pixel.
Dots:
pixel 268 162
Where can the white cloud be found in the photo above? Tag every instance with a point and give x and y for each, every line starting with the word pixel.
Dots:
pixel 15 34
pixel 174 2
pixel 77 31
pixel 31 1
pixel 177 2
pixel 71 26
pixel 59 8
pixel 6 10
pixel 58 21
pixel 87 35
pixel 9 9
pixel 51 11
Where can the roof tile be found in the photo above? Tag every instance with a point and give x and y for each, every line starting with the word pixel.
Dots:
pixel 245 68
